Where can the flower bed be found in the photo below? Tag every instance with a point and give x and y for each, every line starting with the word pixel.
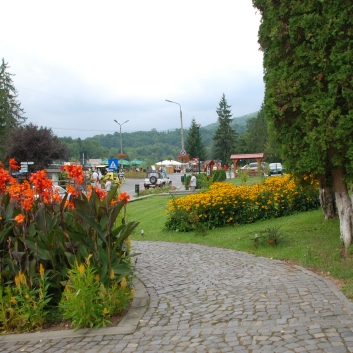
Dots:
pixel 44 238
pixel 226 204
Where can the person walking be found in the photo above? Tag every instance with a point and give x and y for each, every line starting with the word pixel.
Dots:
pixel 121 176
pixel 192 184
pixel 108 184
pixel 95 178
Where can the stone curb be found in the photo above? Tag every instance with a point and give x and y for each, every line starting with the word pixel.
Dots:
pixel 181 192
pixel 126 326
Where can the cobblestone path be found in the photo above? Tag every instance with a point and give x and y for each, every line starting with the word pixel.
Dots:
pixel 217 300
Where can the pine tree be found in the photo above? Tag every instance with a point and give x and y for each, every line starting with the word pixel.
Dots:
pixel 191 142
pixel 225 138
pixel 11 113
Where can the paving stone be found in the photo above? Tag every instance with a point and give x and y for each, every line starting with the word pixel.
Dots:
pixel 217 300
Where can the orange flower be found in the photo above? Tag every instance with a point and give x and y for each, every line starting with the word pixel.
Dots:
pixel 5 178
pixel 20 218
pixel 101 193
pixel 40 181
pixel 124 196
pixel 13 164
pixel 75 172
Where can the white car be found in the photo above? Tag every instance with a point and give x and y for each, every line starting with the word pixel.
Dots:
pixel 154 179
pixel 275 169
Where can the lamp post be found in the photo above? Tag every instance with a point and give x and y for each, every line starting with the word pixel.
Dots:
pixel 198 143
pixel 181 123
pixel 121 140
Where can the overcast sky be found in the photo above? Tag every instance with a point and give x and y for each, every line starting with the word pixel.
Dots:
pixel 81 64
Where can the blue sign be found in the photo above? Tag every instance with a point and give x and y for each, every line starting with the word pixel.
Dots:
pixel 113 164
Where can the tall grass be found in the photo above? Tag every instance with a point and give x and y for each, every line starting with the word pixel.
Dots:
pixel 306 239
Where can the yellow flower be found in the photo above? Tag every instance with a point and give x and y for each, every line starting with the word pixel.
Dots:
pixel 128 242
pixel 96 277
pixel 13 300
pixel 105 311
pixel 81 269
pixel 41 271
pixel 132 293
pixel 112 275
pixel 123 283
pixel 20 279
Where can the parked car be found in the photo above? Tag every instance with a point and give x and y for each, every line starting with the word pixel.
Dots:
pixel 275 169
pixel 154 179
pixel 253 168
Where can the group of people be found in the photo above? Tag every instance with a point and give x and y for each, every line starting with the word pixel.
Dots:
pixel 96 179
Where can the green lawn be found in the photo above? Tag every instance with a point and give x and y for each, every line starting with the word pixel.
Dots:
pixel 305 238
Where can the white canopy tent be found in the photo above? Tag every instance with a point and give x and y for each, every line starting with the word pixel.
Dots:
pixel 169 162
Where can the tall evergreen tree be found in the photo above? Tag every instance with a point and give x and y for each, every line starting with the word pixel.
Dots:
pixel 191 142
pixel 308 67
pixel 224 138
pixel 11 113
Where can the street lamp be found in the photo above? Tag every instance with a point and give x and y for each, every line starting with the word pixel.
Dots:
pixel 181 122
pixel 121 140
pixel 198 143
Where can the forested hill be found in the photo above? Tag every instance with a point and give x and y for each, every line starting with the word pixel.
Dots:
pixel 238 124
pixel 150 145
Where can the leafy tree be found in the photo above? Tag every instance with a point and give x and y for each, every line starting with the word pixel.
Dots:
pixel 11 113
pixel 225 138
pixel 192 142
pixel 307 49
pixel 38 145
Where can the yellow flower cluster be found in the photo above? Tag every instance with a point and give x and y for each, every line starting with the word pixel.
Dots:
pixel 225 203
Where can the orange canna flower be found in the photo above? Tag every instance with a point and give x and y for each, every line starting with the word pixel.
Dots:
pixel 124 196
pixel 13 164
pixel 20 218
pixel 75 172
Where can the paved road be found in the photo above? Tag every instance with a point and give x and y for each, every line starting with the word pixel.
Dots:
pixel 129 185
pixel 217 300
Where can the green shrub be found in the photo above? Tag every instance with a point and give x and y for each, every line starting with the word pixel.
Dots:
pixel 219 175
pixel 87 302
pixel 22 306
pixel 202 181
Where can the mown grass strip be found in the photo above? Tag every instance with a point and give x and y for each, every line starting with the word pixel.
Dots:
pixel 306 238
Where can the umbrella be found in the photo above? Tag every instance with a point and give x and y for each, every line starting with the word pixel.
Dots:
pixel 124 162
pixel 136 162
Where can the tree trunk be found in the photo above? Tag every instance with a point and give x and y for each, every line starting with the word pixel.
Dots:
pixel 327 197
pixel 344 205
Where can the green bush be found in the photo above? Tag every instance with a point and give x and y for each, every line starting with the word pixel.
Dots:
pixel 202 181
pixel 87 302
pixel 219 175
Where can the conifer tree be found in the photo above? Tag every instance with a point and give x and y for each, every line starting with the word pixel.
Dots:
pixel 224 138
pixel 191 142
pixel 11 113
pixel 308 67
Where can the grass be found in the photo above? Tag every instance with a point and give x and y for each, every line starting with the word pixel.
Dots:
pixel 304 238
